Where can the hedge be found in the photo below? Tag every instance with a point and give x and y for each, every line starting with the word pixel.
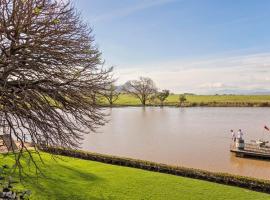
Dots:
pixel 222 178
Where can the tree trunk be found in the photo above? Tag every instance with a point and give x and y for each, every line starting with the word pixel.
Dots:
pixel 143 101
pixel 111 103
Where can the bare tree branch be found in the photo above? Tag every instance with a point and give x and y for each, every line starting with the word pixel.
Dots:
pixel 49 71
pixel 142 89
pixel 111 94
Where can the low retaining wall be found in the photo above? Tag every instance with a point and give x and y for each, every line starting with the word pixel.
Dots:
pixel 222 178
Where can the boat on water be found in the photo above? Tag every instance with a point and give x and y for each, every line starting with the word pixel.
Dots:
pixel 254 148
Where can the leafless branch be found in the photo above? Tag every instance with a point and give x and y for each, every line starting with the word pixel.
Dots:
pixel 49 70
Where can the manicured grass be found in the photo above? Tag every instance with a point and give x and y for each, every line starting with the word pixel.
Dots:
pixel 75 179
pixel 204 100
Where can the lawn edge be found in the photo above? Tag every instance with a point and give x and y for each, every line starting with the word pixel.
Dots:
pixel 221 178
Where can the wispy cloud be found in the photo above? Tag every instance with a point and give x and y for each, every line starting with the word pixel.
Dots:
pixel 130 10
pixel 245 72
pixel 211 85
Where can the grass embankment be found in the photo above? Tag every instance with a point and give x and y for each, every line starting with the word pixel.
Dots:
pixel 76 179
pixel 201 100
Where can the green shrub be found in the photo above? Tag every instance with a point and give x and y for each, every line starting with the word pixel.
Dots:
pixel 8 190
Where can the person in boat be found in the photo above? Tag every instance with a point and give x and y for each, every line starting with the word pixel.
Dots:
pixel 233 135
pixel 240 134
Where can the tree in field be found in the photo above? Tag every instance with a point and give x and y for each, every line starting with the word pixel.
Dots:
pixel 153 100
pixel 162 96
pixel 142 89
pixel 182 99
pixel 111 94
pixel 50 70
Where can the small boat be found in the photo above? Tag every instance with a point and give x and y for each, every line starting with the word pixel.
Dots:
pixel 255 148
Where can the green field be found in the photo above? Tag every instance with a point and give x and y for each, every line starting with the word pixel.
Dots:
pixel 201 100
pixel 75 179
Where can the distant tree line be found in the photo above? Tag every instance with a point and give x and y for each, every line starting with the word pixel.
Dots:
pixel 143 89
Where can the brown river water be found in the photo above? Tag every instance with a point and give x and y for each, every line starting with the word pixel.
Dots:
pixel 190 137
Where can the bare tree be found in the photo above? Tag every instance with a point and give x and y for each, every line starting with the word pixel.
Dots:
pixel 163 95
pixel 142 89
pixel 111 94
pixel 49 71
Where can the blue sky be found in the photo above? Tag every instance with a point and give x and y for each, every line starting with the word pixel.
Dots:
pixel 202 46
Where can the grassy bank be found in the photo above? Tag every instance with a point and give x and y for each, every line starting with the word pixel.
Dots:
pixel 202 100
pixel 71 178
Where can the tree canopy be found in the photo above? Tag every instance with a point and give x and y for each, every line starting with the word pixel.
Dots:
pixel 142 89
pixel 163 95
pixel 182 99
pixel 49 70
pixel 111 94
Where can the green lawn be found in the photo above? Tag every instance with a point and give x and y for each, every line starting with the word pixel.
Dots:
pixel 75 179
pixel 222 100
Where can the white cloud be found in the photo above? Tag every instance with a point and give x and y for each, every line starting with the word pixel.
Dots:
pixel 245 72
pixel 212 85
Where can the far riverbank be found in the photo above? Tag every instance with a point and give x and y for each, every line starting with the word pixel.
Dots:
pixel 198 100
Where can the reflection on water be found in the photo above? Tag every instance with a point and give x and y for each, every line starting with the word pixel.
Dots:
pixel 191 137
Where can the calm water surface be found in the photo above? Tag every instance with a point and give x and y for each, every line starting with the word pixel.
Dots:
pixel 191 137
